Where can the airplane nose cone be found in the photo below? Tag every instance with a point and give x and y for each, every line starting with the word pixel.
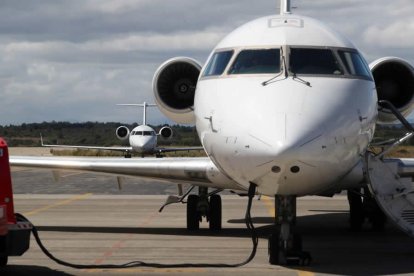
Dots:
pixel 264 155
pixel 140 145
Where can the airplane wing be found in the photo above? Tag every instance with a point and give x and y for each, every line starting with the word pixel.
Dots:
pixel 161 150
pixel 122 149
pixel 196 171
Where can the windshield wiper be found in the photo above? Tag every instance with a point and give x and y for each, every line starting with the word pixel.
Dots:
pixel 281 72
pixel 296 78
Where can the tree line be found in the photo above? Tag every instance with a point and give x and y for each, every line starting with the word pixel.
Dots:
pixel 103 134
pixel 87 133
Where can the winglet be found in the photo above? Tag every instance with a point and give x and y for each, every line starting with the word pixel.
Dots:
pixel 41 139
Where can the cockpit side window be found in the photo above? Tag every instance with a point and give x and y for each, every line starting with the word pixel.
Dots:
pixel 354 64
pixel 218 63
pixel 257 61
pixel 313 62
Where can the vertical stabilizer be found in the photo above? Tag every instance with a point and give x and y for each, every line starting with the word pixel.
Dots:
pixel 285 7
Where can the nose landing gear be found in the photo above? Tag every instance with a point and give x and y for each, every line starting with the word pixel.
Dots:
pixel 285 246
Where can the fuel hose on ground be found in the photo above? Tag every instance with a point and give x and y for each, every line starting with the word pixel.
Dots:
pixel 249 225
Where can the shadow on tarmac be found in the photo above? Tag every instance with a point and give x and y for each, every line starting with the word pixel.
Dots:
pixel 25 270
pixel 335 249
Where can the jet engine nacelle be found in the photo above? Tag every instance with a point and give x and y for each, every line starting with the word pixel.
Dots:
pixel 394 79
pixel 122 133
pixel 166 132
pixel 174 86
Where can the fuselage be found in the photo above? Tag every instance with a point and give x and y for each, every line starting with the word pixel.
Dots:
pixel 143 139
pixel 286 103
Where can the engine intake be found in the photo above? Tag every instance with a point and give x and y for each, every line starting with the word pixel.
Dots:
pixel 394 79
pixel 174 86
pixel 122 133
pixel 166 132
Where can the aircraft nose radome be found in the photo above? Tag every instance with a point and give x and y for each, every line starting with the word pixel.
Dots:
pixel 139 144
pixel 268 156
pixel 286 137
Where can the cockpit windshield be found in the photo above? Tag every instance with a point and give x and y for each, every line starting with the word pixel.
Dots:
pixel 333 62
pixel 218 63
pixel 261 61
pixel 354 63
pixel 313 62
pixel 143 133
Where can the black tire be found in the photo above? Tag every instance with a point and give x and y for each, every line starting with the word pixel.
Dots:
pixel 273 247
pixel 356 211
pixel 375 215
pixel 297 243
pixel 3 261
pixel 193 218
pixel 215 213
pixel 378 221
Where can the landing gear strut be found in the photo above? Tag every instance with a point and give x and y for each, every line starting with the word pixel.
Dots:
pixel 285 246
pixel 363 205
pixel 204 205
pixel 356 211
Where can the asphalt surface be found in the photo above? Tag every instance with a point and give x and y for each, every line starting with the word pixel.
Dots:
pixel 85 219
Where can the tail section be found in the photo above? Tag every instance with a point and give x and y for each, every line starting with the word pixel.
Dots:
pixel 144 105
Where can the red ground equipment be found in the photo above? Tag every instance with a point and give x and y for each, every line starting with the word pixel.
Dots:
pixel 14 234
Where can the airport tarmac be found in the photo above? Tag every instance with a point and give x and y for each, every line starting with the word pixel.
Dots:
pixel 85 219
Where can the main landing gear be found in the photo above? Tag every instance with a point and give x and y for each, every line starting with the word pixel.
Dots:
pixel 362 205
pixel 204 205
pixel 285 246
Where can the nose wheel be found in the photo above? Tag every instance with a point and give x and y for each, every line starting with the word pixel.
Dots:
pixel 285 246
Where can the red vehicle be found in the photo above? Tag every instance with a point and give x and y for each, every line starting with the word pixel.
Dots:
pixel 14 234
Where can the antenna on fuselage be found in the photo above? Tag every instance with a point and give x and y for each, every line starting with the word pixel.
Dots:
pixel 285 7
pixel 144 105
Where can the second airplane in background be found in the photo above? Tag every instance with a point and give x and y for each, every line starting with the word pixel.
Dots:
pixel 142 139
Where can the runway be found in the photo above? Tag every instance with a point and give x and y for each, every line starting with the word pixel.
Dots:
pixel 89 225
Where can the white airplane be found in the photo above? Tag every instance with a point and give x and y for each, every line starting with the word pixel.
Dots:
pixel 287 107
pixel 142 139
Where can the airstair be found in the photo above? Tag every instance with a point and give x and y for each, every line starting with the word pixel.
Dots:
pixel 390 181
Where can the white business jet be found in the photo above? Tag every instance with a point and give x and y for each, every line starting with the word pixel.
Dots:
pixel 142 139
pixel 285 106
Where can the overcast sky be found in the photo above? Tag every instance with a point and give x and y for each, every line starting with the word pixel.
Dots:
pixel 73 60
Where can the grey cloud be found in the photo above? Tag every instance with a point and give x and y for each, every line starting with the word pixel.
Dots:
pixel 78 20
pixel 75 59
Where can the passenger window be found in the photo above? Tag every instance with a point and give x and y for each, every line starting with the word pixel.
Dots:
pixel 218 63
pixel 354 64
pixel 313 62
pixel 264 61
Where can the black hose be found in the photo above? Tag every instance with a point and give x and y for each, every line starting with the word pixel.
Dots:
pixel 249 224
